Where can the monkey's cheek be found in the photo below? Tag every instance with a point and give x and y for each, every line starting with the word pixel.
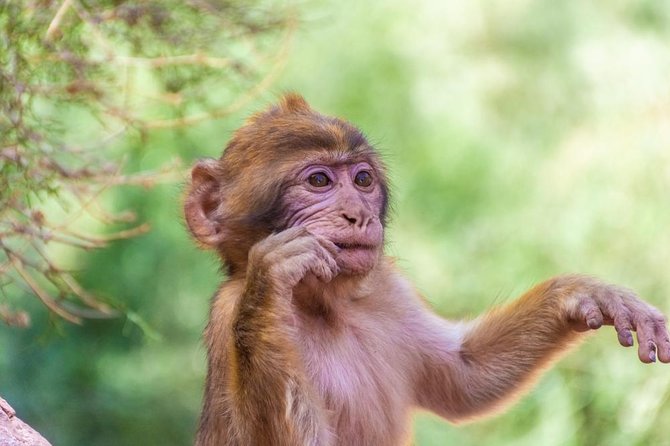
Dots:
pixel 357 261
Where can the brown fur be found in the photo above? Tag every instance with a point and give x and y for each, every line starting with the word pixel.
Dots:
pixel 300 352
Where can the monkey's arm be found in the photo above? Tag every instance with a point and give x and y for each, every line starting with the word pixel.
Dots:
pixel 270 395
pixel 264 394
pixel 499 354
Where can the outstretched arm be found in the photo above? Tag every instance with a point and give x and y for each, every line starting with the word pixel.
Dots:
pixel 257 385
pixel 498 355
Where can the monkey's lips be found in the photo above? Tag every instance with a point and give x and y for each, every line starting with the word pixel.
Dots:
pixel 363 246
pixel 356 257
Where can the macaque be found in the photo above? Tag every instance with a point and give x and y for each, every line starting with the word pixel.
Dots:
pixel 317 338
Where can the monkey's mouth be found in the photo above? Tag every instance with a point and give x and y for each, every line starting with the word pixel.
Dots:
pixel 356 257
pixel 355 246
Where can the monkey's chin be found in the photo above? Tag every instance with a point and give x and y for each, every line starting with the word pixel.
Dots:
pixel 357 261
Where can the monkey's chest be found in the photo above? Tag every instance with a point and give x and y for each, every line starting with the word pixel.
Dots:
pixel 360 381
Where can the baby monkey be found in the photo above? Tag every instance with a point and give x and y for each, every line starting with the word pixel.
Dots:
pixel 317 338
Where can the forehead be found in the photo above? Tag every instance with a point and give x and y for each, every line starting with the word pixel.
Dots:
pixel 315 138
pixel 335 158
pixel 306 132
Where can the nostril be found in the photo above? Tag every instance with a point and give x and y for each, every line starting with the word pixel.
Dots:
pixel 351 220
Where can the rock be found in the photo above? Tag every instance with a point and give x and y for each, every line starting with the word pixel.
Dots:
pixel 14 432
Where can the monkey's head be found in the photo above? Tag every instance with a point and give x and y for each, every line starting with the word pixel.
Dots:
pixel 291 166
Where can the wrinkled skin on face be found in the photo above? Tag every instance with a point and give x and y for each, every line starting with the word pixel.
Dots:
pixel 341 203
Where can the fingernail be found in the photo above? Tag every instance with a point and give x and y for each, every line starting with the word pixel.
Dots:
pixel 652 356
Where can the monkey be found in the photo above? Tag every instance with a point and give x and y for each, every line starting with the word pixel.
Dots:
pixel 317 338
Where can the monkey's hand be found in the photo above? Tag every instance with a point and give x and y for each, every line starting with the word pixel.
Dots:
pixel 287 257
pixel 589 304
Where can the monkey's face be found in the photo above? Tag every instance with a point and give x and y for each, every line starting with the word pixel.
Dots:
pixel 291 166
pixel 341 202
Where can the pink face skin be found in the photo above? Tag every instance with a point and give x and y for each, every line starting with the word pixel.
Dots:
pixel 342 203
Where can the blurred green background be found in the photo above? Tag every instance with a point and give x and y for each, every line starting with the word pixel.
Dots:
pixel 525 138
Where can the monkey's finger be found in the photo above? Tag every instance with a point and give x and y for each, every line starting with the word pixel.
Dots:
pixel 317 260
pixel 323 268
pixel 663 344
pixel 611 305
pixel 276 241
pixel 330 246
pixel 301 243
pixel 331 263
pixel 324 250
pixel 623 327
pixel 305 263
pixel 646 349
pixel 625 336
pixel 590 314
pixel 286 235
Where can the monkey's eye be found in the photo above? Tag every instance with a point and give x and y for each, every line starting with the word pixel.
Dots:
pixel 319 179
pixel 363 178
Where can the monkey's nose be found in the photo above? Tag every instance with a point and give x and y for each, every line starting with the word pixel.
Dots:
pixel 358 218
pixel 349 218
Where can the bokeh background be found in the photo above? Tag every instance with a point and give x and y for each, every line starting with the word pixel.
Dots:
pixel 525 138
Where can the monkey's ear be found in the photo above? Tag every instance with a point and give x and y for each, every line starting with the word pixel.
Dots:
pixel 202 203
